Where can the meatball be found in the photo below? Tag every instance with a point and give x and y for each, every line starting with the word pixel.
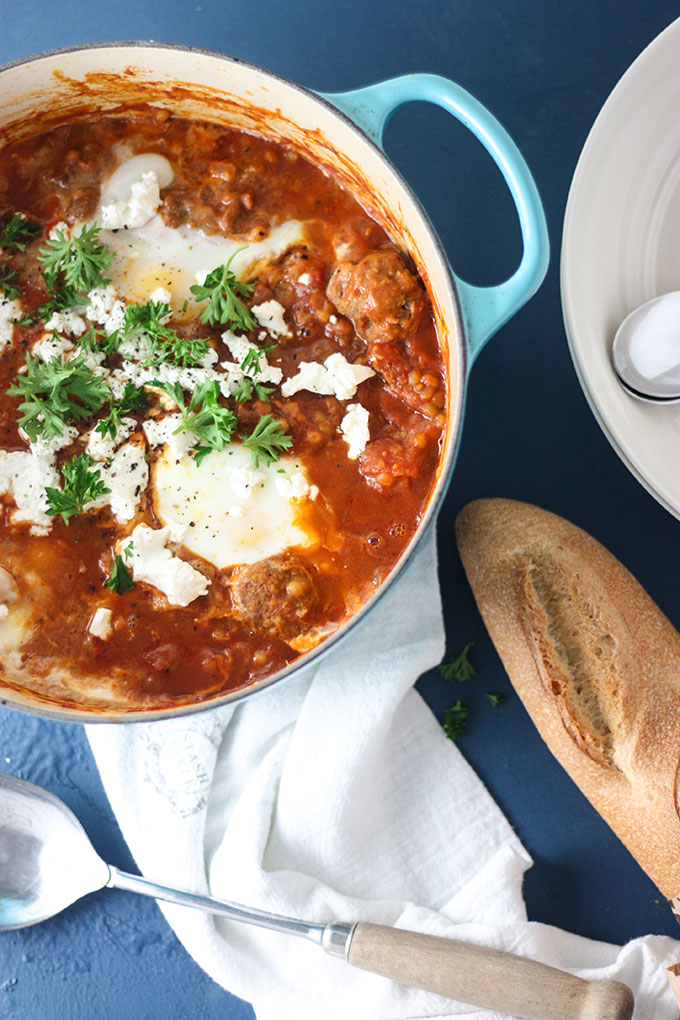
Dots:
pixel 276 595
pixel 383 299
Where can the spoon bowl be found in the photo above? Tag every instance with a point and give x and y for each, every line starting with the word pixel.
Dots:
pixel 646 350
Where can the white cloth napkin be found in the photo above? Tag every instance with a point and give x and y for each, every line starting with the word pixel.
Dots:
pixel 335 795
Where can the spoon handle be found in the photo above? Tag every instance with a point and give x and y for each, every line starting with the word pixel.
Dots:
pixel 486 977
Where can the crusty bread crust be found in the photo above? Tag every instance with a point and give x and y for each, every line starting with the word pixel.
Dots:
pixel 595 662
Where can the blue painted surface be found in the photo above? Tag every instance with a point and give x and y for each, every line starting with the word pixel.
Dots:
pixel 543 68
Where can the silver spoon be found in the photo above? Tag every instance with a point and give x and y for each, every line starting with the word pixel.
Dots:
pixel 646 350
pixel 47 862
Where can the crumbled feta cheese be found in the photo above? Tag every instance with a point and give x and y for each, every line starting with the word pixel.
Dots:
pixel 68 321
pixel 332 319
pixel 24 476
pixel 154 564
pixel 9 311
pixel 336 376
pixel 105 309
pixel 59 228
pixel 161 432
pixel 239 347
pixel 103 447
pixel 202 276
pixel 48 447
pixel 127 478
pixel 270 315
pixel 100 624
pixel 50 346
pixel 243 480
pixel 143 203
pixel 354 429
pixel 161 295
pixel 305 279
pixel 295 487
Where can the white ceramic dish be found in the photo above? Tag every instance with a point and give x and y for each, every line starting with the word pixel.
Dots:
pixel 621 247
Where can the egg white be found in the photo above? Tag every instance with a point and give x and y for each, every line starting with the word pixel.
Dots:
pixel 212 516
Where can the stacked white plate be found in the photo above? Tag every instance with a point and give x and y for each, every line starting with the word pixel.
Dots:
pixel 621 247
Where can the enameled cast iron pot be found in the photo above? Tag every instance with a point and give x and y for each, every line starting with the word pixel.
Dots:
pixel 342 132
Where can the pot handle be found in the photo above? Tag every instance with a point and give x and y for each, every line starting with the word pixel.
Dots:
pixel 484 309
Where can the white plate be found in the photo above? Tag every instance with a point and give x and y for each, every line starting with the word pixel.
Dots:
pixel 621 246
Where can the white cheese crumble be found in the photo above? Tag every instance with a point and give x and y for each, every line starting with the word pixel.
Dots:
pixel 143 203
pixel 50 346
pixel 100 624
pixel 162 295
pixel 243 480
pixel 295 487
pixel 9 311
pixel 161 432
pixel 270 315
pixel 103 447
pixel 154 564
pixel 127 477
pixel 337 377
pixel 59 228
pixel 354 429
pixel 68 321
pixel 105 308
pixel 24 475
pixel 239 348
pixel 305 279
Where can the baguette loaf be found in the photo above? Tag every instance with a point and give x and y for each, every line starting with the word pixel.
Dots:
pixel 595 662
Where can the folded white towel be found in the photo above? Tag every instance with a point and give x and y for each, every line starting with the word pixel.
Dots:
pixel 335 795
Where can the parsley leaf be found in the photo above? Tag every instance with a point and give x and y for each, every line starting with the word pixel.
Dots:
pixel 80 259
pixel 9 289
pixel 209 421
pixel 120 578
pixel 133 399
pixel 82 484
pixel 65 297
pixel 25 320
pixel 455 718
pixel 460 667
pixel 245 389
pixel 165 343
pixel 224 293
pixel 266 440
pixel 495 699
pixel 18 232
pixel 54 392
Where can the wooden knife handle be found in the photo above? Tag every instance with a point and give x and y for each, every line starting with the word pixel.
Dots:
pixel 486 977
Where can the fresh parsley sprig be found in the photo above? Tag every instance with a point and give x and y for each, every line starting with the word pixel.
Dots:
pixel 455 719
pixel 133 399
pixel 83 483
pixel 247 387
pixel 62 299
pixel 17 232
pixel 225 293
pixel 54 392
pixel 459 668
pixel 120 578
pixel 165 344
pixel 9 289
pixel 80 260
pixel 209 421
pixel 266 440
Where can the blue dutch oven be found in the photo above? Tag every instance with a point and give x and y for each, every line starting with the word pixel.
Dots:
pixel 343 132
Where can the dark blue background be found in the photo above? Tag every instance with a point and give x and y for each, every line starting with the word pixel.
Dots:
pixel 544 68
